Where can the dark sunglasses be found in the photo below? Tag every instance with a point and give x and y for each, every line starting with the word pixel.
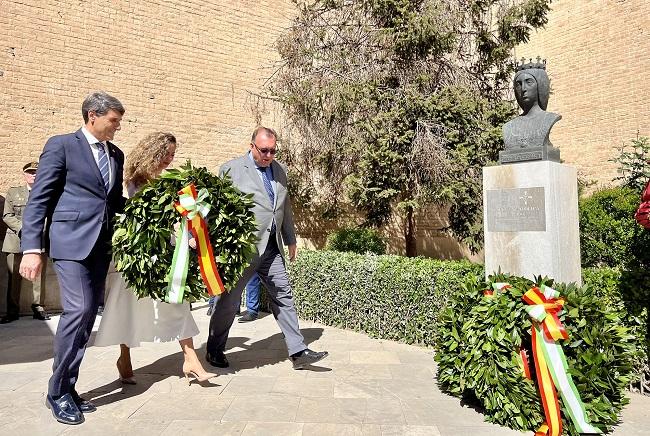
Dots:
pixel 270 151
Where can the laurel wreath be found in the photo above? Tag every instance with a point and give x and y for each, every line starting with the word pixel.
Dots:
pixel 142 248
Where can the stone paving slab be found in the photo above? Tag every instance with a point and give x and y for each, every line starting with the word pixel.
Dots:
pixel 366 387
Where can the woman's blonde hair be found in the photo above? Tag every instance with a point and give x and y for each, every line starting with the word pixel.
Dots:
pixel 143 162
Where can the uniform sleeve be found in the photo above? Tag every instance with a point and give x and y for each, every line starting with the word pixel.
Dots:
pixel 9 215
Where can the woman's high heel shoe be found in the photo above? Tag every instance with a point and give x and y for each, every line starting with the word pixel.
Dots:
pixel 124 379
pixel 200 378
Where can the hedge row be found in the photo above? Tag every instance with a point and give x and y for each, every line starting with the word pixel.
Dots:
pixel 399 298
pixel 387 297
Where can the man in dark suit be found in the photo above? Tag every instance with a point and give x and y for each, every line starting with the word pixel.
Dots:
pixel 77 192
pixel 13 218
pixel 257 173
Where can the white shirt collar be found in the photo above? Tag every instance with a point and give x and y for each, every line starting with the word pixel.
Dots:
pixel 89 136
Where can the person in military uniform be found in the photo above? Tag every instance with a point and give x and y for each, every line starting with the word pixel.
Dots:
pixel 13 216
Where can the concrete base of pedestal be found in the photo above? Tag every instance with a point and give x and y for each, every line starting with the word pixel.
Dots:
pixel 531 220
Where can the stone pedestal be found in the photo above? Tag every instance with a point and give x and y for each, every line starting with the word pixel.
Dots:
pixel 531 220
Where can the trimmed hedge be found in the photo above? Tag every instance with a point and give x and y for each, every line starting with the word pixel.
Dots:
pixel 400 298
pixel 626 291
pixel 430 302
pixel 609 235
pixel 388 297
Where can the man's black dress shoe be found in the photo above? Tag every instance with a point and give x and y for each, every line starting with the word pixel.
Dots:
pixel 40 313
pixel 307 357
pixel 64 409
pixel 219 359
pixel 248 317
pixel 7 319
pixel 84 406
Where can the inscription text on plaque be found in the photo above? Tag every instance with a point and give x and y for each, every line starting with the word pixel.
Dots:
pixel 516 210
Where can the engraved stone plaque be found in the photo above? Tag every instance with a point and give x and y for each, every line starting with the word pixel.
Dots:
pixel 528 154
pixel 516 210
pixel 522 156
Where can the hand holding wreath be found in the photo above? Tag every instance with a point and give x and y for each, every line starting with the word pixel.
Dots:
pixel 141 243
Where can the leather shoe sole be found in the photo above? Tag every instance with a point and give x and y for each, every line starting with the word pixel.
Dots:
pixel 70 417
pixel 247 317
pixel 84 406
pixel 308 358
pixel 220 361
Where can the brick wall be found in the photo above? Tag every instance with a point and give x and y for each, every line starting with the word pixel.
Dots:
pixel 185 66
pixel 190 67
pixel 598 55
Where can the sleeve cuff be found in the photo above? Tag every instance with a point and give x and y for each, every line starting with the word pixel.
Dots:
pixel 33 251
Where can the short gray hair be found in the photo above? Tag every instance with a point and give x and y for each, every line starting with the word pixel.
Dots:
pixel 100 103
pixel 264 130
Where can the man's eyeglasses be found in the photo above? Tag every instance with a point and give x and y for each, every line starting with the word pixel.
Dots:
pixel 270 151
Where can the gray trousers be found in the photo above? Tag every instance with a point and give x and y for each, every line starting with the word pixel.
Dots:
pixel 273 273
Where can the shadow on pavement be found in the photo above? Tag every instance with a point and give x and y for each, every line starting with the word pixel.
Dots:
pixel 268 351
pixel 26 340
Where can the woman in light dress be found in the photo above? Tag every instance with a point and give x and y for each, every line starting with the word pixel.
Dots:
pixel 127 320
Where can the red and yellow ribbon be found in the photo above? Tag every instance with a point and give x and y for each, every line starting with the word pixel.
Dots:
pixel 496 287
pixel 551 365
pixel 194 209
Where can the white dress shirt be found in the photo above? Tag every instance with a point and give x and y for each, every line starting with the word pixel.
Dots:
pixel 94 147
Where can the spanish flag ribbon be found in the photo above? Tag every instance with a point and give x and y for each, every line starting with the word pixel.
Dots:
pixel 496 287
pixel 550 363
pixel 193 208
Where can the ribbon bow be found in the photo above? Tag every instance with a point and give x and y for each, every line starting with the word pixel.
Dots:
pixel 194 210
pixel 550 363
pixel 496 287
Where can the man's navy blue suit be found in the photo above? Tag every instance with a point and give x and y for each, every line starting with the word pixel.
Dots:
pixel 69 195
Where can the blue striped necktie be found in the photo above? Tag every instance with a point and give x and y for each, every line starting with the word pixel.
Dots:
pixel 269 191
pixel 267 185
pixel 102 163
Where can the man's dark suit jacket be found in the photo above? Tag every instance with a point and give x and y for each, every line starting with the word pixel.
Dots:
pixel 69 194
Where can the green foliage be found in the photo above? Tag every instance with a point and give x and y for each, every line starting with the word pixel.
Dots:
pixel 141 242
pixel 359 240
pixel 388 297
pixel 609 235
pixel 627 291
pixel 401 298
pixel 633 165
pixel 399 103
pixel 478 341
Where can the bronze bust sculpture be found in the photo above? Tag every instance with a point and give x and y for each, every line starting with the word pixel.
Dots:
pixel 526 137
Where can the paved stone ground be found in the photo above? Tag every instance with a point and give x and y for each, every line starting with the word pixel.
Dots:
pixel 366 387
